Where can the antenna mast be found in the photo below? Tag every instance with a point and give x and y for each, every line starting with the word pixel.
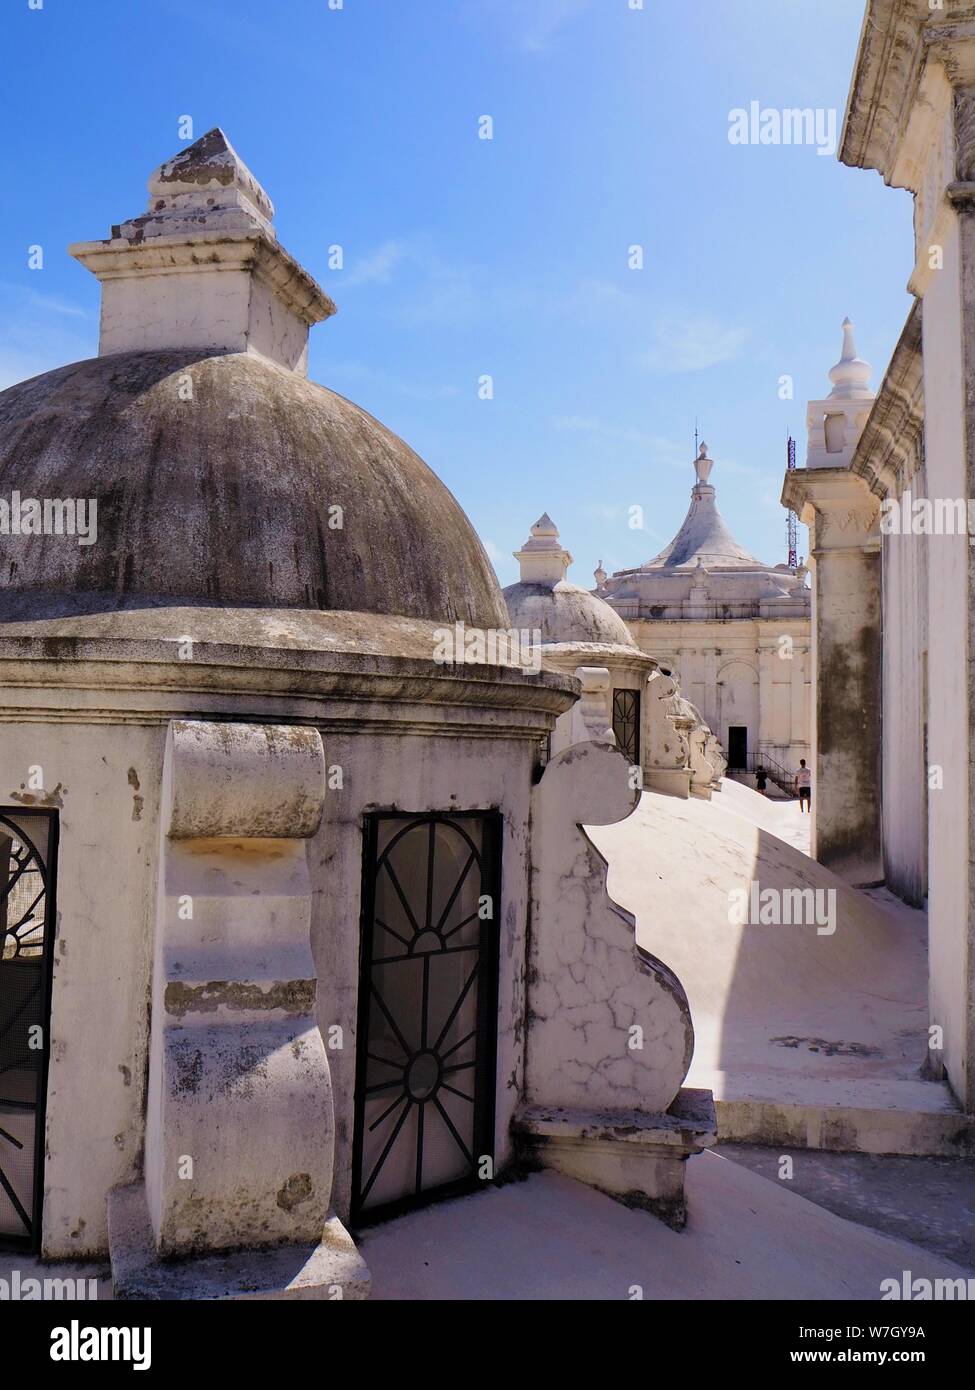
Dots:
pixel 792 525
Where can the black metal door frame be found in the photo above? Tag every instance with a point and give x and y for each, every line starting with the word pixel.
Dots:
pixel 485 1082
pixel 48 863
pixel 626 712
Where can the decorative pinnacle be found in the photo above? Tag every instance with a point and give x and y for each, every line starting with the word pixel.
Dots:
pixel 851 375
pixel 703 465
pixel 206 187
pixel 543 558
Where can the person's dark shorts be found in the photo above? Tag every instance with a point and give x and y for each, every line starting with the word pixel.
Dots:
pixel 805 794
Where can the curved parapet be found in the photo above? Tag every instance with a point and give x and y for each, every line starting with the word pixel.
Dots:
pixel 609 1025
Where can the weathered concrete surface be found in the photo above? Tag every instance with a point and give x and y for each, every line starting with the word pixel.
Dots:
pixel 928 1201
pixel 747 1237
pixel 634 1156
pixel 804 1038
pixel 843 519
pixel 552 1238
pixel 245 473
pixel 256 781
pixel 609 1026
pixel 239 1137
pixel 609 1032
pixel 890 458
pixel 90 699
pixel 328 1268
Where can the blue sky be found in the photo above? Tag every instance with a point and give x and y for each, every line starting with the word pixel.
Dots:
pixel 466 257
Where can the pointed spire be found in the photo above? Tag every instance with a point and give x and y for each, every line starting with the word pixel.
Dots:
pixel 542 558
pixel 206 187
pixel 851 375
pixel 704 539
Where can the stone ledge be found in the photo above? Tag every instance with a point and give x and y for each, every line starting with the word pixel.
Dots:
pixel 673 781
pixel 635 1157
pixel 331 1271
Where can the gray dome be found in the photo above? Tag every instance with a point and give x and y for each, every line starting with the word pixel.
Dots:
pixel 566 613
pixel 225 498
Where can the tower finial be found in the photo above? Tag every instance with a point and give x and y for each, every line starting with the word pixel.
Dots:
pixel 164 273
pixel 703 464
pixel 543 558
pixel 851 375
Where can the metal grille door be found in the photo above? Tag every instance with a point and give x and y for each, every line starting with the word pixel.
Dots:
pixel 27 852
pixel 427 1008
pixel 626 722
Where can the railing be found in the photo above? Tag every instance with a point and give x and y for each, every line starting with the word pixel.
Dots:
pixel 777 773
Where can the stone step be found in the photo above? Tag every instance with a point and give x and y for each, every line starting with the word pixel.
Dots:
pixel 864 1115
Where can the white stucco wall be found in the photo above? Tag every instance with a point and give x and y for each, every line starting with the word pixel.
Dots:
pixel 741 673
pixel 105 779
pixel 949 733
pixel 905 663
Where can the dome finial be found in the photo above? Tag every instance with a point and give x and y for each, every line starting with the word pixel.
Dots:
pixel 851 375
pixel 543 558
pixel 703 465
pixel 162 272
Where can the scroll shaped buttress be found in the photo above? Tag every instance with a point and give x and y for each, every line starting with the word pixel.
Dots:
pixel 609 1026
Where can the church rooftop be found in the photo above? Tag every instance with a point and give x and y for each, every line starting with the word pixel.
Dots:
pixel 704 539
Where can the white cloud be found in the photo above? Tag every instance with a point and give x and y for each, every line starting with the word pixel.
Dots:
pixel 593 296
pixel 34 334
pixel 54 304
pixel 661 449
pixel 378 267
pixel 684 344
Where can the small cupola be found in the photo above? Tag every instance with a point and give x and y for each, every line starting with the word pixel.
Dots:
pixel 543 558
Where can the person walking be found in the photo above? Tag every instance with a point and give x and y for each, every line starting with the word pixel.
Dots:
pixel 761 781
pixel 804 786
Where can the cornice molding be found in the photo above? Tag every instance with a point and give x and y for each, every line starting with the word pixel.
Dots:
pixel 891 446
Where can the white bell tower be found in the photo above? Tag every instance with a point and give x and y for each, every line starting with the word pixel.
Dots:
pixel 836 423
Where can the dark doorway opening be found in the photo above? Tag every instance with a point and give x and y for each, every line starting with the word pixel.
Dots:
pixel 28 852
pixel 626 722
pixel 737 748
pixel 428 1024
